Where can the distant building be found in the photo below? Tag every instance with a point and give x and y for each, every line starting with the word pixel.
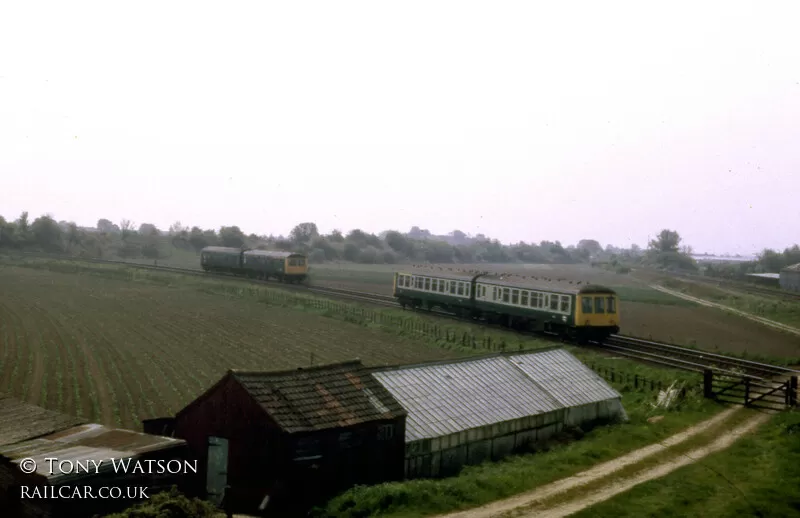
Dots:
pixel 296 436
pixel 790 278
pixel 767 279
pixel 468 411
pixel 31 432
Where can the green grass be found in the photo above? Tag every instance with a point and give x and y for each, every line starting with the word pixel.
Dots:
pixel 560 458
pixel 759 475
pixel 781 310
pixel 649 296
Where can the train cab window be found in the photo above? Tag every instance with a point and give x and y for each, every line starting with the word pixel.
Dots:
pixel 460 288
pixel 441 286
pixel 586 304
pixel 554 302
pixel 599 303
pixel 524 300
pixel 564 304
pixel 611 306
pixel 515 296
pixel 301 262
pixel 505 294
pixel 400 280
pixel 434 285
pixel 427 283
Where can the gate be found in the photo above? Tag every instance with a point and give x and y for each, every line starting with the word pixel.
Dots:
pixel 217 469
pixel 751 391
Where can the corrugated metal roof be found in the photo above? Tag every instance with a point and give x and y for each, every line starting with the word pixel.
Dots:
pixel 270 253
pixel 765 275
pixel 792 268
pixel 92 442
pixel 533 282
pixel 222 249
pixel 564 377
pixel 20 421
pixel 315 398
pixel 443 398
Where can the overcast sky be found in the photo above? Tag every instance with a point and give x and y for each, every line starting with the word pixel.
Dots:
pixel 519 120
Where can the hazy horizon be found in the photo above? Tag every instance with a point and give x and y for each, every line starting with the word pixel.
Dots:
pixel 518 121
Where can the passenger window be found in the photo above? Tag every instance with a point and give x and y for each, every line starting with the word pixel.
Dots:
pixel 598 305
pixel 524 300
pixel 494 292
pixel 453 287
pixel 564 304
pixel 441 286
pixel 460 288
pixel 554 302
pixel 515 296
pixel 427 283
pixel 418 282
pixel 586 305
pixel 505 294
pixel 612 306
pixel 467 287
pixel 434 285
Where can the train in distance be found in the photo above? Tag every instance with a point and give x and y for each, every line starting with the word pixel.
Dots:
pixel 575 311
pixel 256 264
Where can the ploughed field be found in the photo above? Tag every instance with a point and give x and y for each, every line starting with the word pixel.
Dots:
pixel 116 345
pixel 645 313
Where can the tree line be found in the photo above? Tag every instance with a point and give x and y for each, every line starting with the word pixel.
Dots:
pixel 126 240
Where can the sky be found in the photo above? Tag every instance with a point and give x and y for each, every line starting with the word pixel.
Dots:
pixel 520 120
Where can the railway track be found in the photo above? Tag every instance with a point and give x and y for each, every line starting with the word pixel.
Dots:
pixel 646 350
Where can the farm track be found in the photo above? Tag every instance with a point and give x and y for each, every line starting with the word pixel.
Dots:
pixel 740 286
pixel 653 352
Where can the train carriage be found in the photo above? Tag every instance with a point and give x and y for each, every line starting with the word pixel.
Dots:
pixel 260 264
pixel 587 312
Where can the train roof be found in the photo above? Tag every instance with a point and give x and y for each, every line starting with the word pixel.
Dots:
pixel 221 249
pixel 530 282
pixel 272 253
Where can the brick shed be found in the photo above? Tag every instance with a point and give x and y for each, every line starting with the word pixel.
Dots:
pixel 31 432
pixel 293 436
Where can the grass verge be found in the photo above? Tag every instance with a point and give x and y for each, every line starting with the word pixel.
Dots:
pixel 759 475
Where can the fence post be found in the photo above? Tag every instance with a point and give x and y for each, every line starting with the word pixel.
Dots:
pixel 708 390
pixel 793 391
pixel 746 391
pixel 636 381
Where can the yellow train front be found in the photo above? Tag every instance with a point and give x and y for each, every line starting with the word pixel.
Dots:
pixel 596 314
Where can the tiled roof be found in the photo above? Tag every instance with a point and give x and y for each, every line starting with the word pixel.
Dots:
pixel 20 421
pixel 315 398
pixel 444 397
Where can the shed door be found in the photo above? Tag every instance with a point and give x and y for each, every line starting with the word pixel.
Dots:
pixel 217 474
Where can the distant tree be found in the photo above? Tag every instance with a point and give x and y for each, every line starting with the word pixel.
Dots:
pixel 592 246
pixel 459 237
pixel 7 233
pixel 336 237
pixel 177 229
pixel 47 234
pixel 231 236
pixel 23 223
pixel 126 228
pixel 351 252
pixel 357 237
pixel 320 243
pixel 73 236
pixel 666 241
pixel 105 226
pixel 389 257
pixel 304 232
pixel 148 229
pixel 197 239
pixel 398 242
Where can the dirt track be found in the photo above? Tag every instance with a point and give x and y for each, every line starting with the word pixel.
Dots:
pixel 544 501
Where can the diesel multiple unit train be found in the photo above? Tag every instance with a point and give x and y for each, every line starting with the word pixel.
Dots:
pixel 257 264
pixel 574 311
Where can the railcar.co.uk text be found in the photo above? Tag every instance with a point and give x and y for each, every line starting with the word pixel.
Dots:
pixel 50 466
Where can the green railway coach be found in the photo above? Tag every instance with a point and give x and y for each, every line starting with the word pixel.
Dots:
pixel 582 312
pixel 257 264
pixel 221 259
